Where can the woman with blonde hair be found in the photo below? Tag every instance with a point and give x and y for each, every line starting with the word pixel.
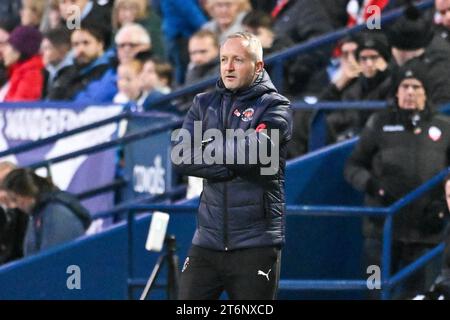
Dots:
pixel 32 12
pixel 138 11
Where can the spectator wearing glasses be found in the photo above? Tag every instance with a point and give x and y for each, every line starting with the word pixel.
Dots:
pixel 139 11
pixel 131 39
pixel 372 82
pixel 400 149
pixel 346 75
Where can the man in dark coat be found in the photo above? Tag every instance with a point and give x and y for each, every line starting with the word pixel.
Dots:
pixel 399 150
pixel 92 77
pixel 412 36
pixel 236 247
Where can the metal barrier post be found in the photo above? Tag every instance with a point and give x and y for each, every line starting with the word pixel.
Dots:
pixel 386 258
pixel 130 229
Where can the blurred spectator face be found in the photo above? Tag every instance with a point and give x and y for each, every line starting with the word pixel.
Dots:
pixel 10 55
pixel 51 55
pixel 128 81
pixel 371 62
pixel 149 78
pixel 31 13
pixel 264 35
pixel 24 203
pixel 65 7
pixel 443 7
pixel 202 50
pixel 128 45
pixel 4 35
pixel 127 12
pixel 28 17
pixel 54 18
pixel 349 52
pixel 86 47
pixel 411 94
pixel 238 67
pixel 225 12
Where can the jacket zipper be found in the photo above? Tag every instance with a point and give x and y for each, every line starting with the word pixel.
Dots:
pixel 225 219
pixel 223 121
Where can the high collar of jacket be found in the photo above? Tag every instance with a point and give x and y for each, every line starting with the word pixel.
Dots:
pixel 260 86
pixel 35 62
pixel 102 60
pixel 413 118
pixel 369 84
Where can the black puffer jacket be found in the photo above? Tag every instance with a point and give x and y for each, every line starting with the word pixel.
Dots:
pixel 398 151
pixel 239 207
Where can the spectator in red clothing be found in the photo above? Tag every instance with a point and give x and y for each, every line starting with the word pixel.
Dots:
pixel 24 64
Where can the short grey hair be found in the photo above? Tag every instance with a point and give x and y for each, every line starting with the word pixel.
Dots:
pixel 254 45
pixel 135 29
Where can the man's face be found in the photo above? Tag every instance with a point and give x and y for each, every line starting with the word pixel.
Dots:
pixel 443 7
pixel 3 41
pixel 202 50
pixel 225 12
pixel 238 67
pixel 371 62
pixel 411 95
pixel 128 45
pixel 66 7
pixel 51 55
pixel 264 35
pixel 86 47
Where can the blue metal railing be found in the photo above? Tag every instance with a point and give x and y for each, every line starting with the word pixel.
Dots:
pixel 278 58
pixel 42 142
pixel 106 145
pixel 388 281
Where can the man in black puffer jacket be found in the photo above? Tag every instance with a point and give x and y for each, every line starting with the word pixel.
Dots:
pixel 399 150
pixel 240 231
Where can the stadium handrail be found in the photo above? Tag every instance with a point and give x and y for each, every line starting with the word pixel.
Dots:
pixel 387 280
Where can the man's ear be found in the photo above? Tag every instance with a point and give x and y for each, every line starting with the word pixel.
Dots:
pixel 259 66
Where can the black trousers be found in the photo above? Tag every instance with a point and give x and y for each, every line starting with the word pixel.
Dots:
pixel 243 274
